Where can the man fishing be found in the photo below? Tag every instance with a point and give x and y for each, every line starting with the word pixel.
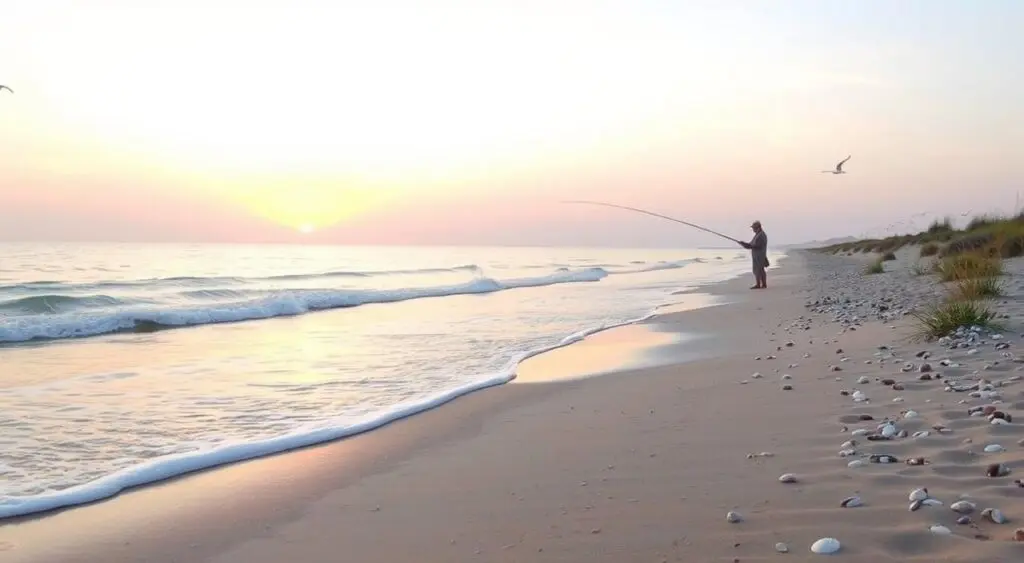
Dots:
pixel 759 255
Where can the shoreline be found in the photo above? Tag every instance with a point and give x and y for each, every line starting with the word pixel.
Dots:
pixel 173 467
pixel 642 464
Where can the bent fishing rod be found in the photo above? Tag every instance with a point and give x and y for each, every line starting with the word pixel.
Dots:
pixel 644 211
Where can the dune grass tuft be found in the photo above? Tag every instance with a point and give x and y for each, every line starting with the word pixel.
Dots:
pixel 875 267
pixel 943 319
pixel 888 257
pixel 929 249
pixel 973 289
pixel 969 266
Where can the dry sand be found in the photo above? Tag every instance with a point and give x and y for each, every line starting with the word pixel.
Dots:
pixel 640 465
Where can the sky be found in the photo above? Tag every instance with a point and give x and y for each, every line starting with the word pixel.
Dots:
pixel 469 121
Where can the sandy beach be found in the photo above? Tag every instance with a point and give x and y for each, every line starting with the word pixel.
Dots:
pixel 641 464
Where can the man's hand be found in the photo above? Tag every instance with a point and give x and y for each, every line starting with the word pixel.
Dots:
pixel 745 245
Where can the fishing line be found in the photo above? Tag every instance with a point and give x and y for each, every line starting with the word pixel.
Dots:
pixel 644 211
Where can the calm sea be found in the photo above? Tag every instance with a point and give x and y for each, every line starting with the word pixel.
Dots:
pixel 125 364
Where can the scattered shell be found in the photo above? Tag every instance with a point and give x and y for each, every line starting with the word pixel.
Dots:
pixel 863 379
pixel 922 434
pixel 733 517
pixel 825 546
pixel 835 368
pixel 963 507
pixel 888 430
pixel 918 494
pixel 940 530
pixel 787 478
pixel 851 502
pixel 925 377
pixel 998 421
pixel 1019 483
pixel 994 515
pixel 997 470
pixel 917 461
pixel 915 505
pixel 787 387
pixel 931 502
pixel 883 458
pixel 847 452
pixel 994 448
pixel 756 375
pixel 786 376
pixel 856 463
pixel 898 387
pixel 963 520
pixel 859 397
pixel 849 444
pixel 761 454
pixel 781 547
pixel 863 432
pixel 910 414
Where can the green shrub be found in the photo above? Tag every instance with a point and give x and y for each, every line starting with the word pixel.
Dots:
pixel 888 257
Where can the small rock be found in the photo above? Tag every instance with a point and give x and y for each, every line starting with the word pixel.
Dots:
pixel 963 520
pixel 787 387
pixel 851 502
pixel 963 507
pixel 787 478
pixel 781 547
pixel 997 470
pixel 994 448
pixel 918 494
pixel 940 530
pixel 825 546
pixel 993 515
pixel 925 368
pixel 733 517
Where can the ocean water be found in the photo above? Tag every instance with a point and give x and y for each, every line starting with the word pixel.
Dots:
pixel 125 364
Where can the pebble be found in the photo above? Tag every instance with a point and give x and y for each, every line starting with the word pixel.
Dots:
pixel 781 547
pixel 997 470
pixel 993 515
pixel 825 546
pixel 1018 534
pixel 851 502
pixel 963 507
pixel 787 387
pixel 940 530
pixel 994 448
pixel 733 517
pixel 788 478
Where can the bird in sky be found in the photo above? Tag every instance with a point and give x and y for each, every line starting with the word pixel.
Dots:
pixel 7 87
pixel 839 168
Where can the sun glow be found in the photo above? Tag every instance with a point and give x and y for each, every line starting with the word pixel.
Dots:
pixel 306 228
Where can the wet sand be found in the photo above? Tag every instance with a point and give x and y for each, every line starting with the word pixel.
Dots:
pixel 638 465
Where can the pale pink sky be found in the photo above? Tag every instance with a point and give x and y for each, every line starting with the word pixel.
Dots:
pixel 465 122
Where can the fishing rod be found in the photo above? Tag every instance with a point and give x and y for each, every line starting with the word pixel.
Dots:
pixel 688 224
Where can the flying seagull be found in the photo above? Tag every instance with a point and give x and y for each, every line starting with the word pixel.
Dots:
pixel 8 88
pixel 839 168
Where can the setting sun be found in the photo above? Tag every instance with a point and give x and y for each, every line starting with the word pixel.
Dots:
pixel 306 228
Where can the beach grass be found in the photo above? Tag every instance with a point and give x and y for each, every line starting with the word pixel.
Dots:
pixel 875 267
pixel 888 256
pixel 919 269
pixel 969 266
pixel 973 289
pixel 946 317
pixel 1003 233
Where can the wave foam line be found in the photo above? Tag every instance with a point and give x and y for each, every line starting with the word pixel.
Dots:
pixel 279 304
pixel 175 465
